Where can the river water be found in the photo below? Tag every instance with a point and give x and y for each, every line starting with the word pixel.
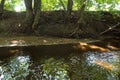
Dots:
pixel 59 62
pixel 83 66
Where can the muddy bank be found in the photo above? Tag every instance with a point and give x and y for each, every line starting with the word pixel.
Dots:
pixel 58 23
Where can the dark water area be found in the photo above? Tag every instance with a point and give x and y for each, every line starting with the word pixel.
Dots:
pixel 73 66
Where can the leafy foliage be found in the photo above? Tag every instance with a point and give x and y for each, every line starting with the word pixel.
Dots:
pixel 91 5
pixel 14 5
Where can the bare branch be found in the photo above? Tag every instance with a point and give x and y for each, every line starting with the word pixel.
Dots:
pixel 110 28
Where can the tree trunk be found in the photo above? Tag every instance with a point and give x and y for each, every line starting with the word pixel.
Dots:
pixel 37 10
pixel 29 16
pixel 69 6
pixel 2 7
pixel 61 2
pixel 80 21
pixel 81 12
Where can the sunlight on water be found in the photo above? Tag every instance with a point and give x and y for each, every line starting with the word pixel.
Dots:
pixel 84 66
pixel 106 57
pixel 109 61
pixel 15 69
pixel 51 69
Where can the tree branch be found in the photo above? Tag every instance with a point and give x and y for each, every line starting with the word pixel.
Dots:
pixel 109 29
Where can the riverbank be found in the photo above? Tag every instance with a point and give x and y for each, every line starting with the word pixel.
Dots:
pixel 59 24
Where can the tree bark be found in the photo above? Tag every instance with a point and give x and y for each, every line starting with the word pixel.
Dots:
pixel 29 16
pixel 69 6
pixel 32 15
pixel 37 10
pixel 80 21
pixel 2 7
pixel 81 12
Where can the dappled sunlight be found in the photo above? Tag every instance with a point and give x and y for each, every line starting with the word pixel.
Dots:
pixel 55 69
pixel 107 60
pixel 95 66
pixel 86 47
pixel 15 69
pixel 14 51
pixel 19 24
pixel 50 69
pixel 104 5
pixel 17 42
pixel 89 65
pixel 94 47
pixel 104 64
pixel 112 47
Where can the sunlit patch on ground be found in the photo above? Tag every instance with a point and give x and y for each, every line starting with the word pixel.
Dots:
pixel 16 42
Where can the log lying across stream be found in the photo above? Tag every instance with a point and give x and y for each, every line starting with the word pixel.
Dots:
pixel 54 46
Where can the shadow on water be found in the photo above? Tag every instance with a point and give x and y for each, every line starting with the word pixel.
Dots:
pixel 60 62
pixel 86 66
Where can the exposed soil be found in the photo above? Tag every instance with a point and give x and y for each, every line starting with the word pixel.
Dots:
pixel 58 23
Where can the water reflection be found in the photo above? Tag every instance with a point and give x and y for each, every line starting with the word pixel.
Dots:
pixel 94 66
pixel 15 69
pixel 51 69
pixel 84 66
pixel 108 61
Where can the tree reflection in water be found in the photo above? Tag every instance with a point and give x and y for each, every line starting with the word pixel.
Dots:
pixel 51 69
pixel 84 66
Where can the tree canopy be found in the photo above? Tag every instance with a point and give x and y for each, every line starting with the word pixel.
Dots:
pixel 36 12
pixel 48 5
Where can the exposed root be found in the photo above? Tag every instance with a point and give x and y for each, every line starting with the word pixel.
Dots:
pixel 75 31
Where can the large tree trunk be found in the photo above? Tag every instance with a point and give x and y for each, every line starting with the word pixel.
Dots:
pixel 29 16
pixel 37 10
pixel 32 15
pixel 80 21
pixel 69 6
pixel 2 7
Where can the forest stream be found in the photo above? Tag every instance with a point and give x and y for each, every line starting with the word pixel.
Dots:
pixel 49 58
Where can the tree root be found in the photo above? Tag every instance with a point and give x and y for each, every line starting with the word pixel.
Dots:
pixel 75 31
